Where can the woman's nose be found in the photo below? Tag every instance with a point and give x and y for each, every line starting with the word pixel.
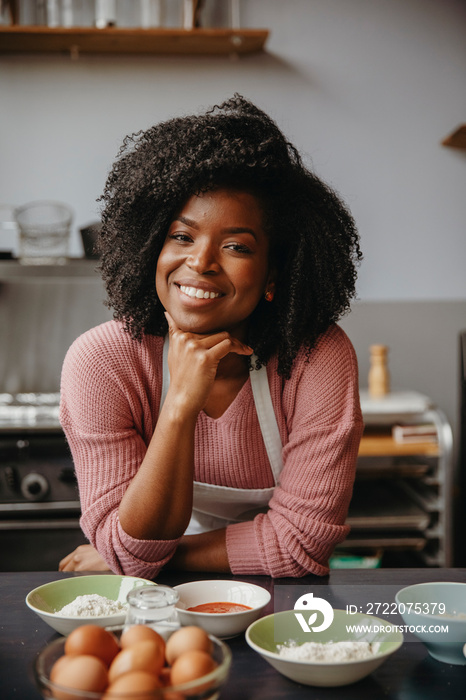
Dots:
pixel 202 259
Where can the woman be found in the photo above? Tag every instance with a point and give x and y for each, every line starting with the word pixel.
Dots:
pixel 215 423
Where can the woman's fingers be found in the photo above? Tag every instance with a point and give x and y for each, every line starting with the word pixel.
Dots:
pixel 65 562
pixel 224 346
pixel 83 558
pixel 193 361
pixel 213 340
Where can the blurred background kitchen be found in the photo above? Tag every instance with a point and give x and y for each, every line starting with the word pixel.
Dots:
pixel 372 92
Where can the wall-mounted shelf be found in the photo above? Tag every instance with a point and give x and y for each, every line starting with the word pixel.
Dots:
pixel 12 270
pixel 76 40
pixel 457 139
pixel 375 442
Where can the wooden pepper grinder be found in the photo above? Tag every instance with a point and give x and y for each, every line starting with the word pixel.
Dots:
pixel 379 377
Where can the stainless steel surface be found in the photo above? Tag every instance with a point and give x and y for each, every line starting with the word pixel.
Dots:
pixel 29 410
pixel 42 311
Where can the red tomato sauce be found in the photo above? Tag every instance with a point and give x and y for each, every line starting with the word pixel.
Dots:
pixel 220 608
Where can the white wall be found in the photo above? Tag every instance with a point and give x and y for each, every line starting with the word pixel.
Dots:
pixel 366 88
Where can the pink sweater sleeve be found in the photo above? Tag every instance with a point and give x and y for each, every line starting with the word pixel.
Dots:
pixel 106 440
pixel 307 512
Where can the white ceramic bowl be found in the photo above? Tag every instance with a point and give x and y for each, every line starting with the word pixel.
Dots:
pixel 222 625
pixel 421 607
pixel 46 600
pixel 267 634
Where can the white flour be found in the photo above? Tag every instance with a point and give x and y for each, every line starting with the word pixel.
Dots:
pixel 453 615
pixel 331 651
pixel 91 605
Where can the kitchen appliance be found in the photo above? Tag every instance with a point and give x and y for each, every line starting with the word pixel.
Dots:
pixel 39 501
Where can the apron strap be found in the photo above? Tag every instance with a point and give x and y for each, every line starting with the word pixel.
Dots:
pixel 264 409
pixel 267 419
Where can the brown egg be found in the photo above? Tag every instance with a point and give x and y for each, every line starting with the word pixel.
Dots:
pixel 138 633
pixel 166 682
pixel 190 666
pixel 187 639
pixel 141 656
pixel 92 640
pixel 80 673
pixel 134 682
pixel 59 664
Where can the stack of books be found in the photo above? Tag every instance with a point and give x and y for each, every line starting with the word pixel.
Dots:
pixel 426 432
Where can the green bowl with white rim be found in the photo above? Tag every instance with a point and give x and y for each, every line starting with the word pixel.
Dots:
pixel 269 633
pixel 48 599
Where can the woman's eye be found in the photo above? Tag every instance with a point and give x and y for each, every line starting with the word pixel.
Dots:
pixel 183 237
pixel 238 247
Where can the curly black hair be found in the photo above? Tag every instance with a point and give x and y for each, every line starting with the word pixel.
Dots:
pixel 313 241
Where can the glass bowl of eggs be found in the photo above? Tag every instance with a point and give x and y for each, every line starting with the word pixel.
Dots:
pixel 137 663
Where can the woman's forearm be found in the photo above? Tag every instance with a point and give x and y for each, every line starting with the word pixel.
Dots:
pixel 158 502
pixel 203 552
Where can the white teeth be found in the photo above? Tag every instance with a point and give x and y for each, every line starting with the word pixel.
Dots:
pixel 198 293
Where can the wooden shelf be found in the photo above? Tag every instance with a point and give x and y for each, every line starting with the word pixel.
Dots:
pixel 111 40
pixel 457 139
pixel 376 444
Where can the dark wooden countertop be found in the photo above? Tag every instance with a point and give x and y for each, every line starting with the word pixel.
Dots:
pixel 409 674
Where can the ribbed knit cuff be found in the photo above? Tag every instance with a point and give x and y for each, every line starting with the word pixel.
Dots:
pixel 151 551
pixel 242 550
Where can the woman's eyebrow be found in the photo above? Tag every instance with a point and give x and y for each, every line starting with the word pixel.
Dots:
pixel 240 229
pixel 230 229
pixel 188 222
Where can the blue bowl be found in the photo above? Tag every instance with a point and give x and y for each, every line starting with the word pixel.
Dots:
pixel 429 607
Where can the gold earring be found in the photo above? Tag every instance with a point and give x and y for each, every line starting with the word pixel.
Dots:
pixel 268 295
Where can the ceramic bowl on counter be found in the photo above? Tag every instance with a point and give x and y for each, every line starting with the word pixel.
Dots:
pixel 431 608
pixel 47 600
pixel 202 688
pixel 222 624
pixel 267 635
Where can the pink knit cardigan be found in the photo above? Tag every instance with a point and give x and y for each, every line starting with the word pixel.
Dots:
pixel 110 396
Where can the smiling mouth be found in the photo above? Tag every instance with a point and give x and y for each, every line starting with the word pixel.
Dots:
pixel 196 293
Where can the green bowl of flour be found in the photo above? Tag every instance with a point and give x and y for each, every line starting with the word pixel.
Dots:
pixel 349 649
pixel 88 600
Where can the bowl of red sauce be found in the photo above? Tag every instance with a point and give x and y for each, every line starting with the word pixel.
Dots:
pixel 221 607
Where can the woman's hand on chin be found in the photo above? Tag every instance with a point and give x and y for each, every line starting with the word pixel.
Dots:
pixel 193 361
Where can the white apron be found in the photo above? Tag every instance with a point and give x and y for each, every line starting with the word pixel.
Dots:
pixel 215 506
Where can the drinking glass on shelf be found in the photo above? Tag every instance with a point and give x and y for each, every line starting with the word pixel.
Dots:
pixel 151 13
pixel 235 15
pixel 44 232
pixel 105 13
